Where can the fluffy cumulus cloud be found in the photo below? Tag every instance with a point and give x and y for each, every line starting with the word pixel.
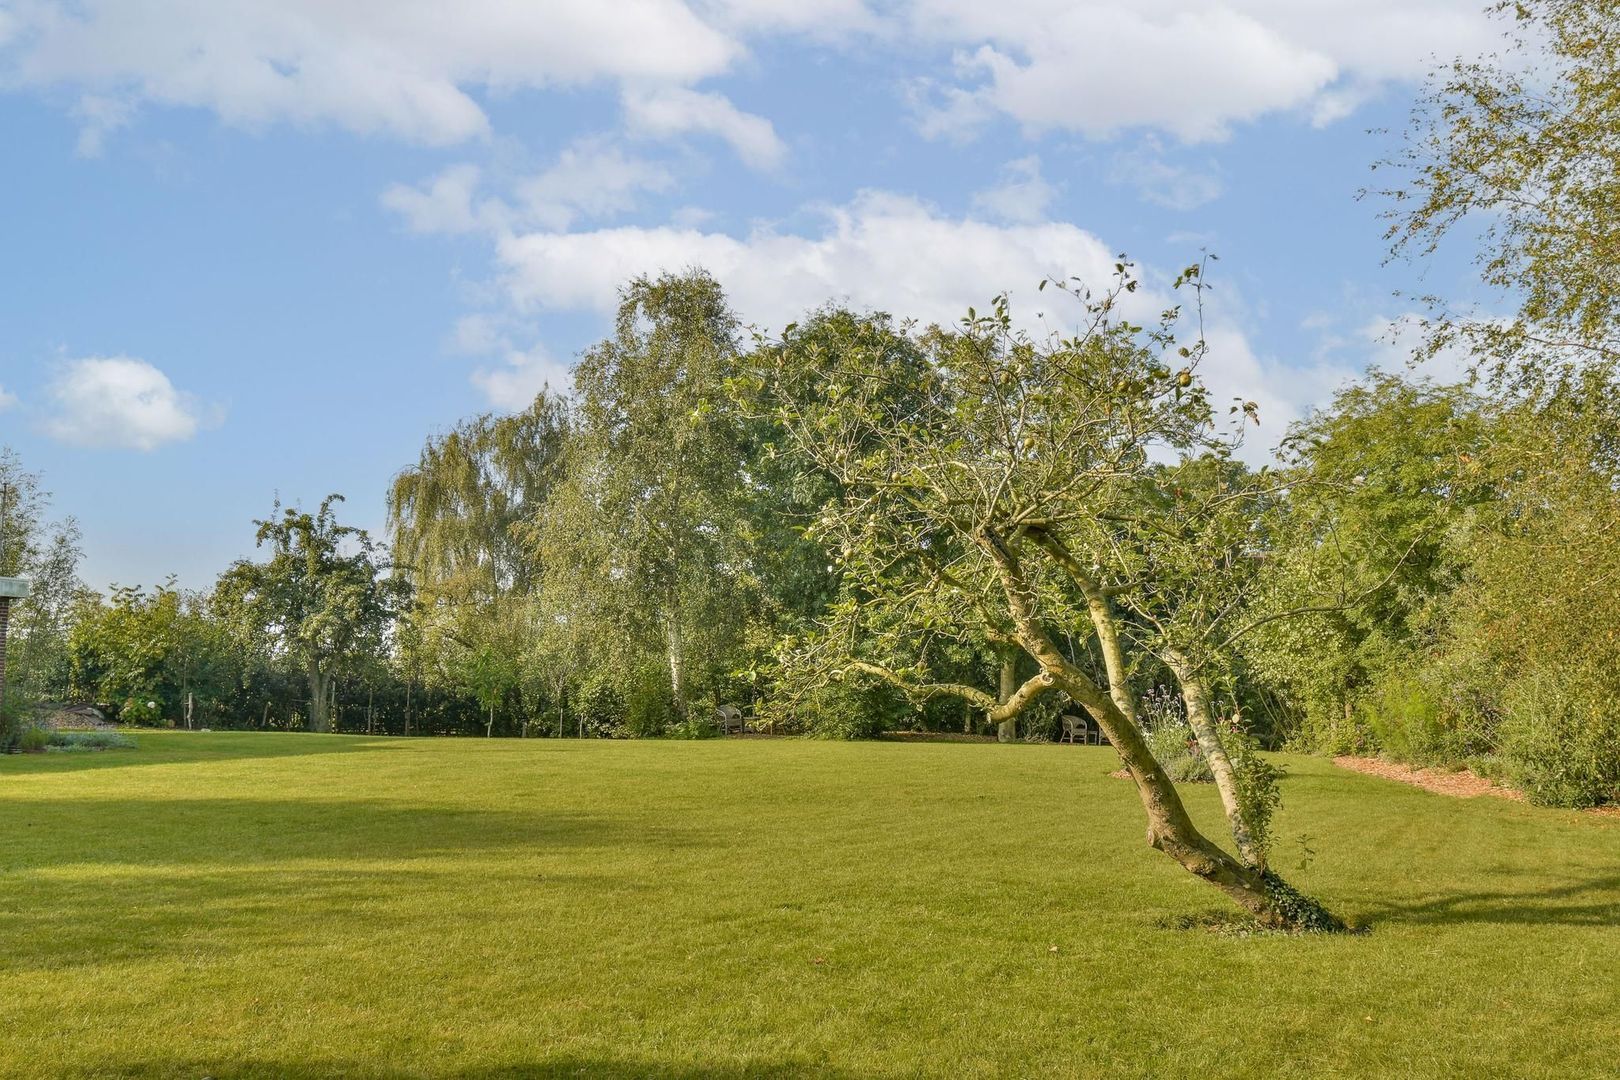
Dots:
pixel 880 251
pixel 400 67
pixel 673 111
pixel 892 253
pixel 121 402
pixel 444 204
pixel 414 68
pixel 592 179
pixel 1282 392
pixel 1192 68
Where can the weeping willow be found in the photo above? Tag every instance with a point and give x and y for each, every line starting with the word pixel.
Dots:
pixel 456 516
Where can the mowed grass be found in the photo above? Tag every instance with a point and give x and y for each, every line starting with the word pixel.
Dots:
pixel 288 905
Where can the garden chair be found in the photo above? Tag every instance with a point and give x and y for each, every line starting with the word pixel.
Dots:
pixel 729 719
pixel 1075 730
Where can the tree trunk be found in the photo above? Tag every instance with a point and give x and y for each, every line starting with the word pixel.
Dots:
pixel 1264 895
pixel 1007 730
pixel 489 728
pixel 677 665
pixel 1196 694
pixel 1107 627
pixel 320 718
pixel 408 683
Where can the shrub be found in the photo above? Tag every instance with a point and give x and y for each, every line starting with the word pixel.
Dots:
pixel 1041 721
pixel 1427 718
pixel 600 705
pixel 649 704
pixel 33 739
pixel 1175 748
pixel 146 711
pixel 1558 740
pixel 846 710
pixel 14 714
pixel 90 740
pixel 1170 738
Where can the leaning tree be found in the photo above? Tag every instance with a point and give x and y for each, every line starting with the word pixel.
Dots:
pixel 1070 497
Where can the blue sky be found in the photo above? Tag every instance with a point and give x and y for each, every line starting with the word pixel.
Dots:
pixel 262 248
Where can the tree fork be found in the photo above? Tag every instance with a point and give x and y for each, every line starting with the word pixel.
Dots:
pixel 1271 901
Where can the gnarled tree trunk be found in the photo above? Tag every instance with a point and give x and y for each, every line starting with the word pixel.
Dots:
pixel 1264 895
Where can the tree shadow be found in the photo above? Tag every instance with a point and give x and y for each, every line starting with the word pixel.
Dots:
pixel 78 886
pixel 181 832
pixel 543 1068
pixel 173 748
pixel 1590 902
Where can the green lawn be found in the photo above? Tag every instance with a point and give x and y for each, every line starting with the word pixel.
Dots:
pixel 297 905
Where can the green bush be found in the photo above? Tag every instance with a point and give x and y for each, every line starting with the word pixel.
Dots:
pixel 33 739
pixel 90 740
pixel 1407 722
pixel 1175 748
pixel 846 710
pixel 1042 720
pixel 1559 740
pixel 649 704
pixel 14 714
pixel 600 705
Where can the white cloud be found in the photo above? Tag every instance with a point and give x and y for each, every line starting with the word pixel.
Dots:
pixel 827 19
pixel 891 253
pixel 1283 392
pixel 1393 344
pixel 99 115
pixel 1159 180
pixel 7 399
pixel 1192 68
pixel 445 204
pixel 119 401
pixel 691 217
pixel 401 67
pixel 678 111
pixel 478 334
pixel 592 179
pixel 418 69
pixel 881 251
pixel 522 375
pixel 1022 196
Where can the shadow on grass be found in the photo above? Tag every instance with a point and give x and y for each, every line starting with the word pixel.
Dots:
pixel 1594 902
pixel 79 887
pixel 232 832
pixel 546 1068
pixel 173 748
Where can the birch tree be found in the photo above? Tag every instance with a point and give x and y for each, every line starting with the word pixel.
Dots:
pixel 645 538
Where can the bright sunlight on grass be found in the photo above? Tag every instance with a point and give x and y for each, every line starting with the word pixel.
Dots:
pixel 298 906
